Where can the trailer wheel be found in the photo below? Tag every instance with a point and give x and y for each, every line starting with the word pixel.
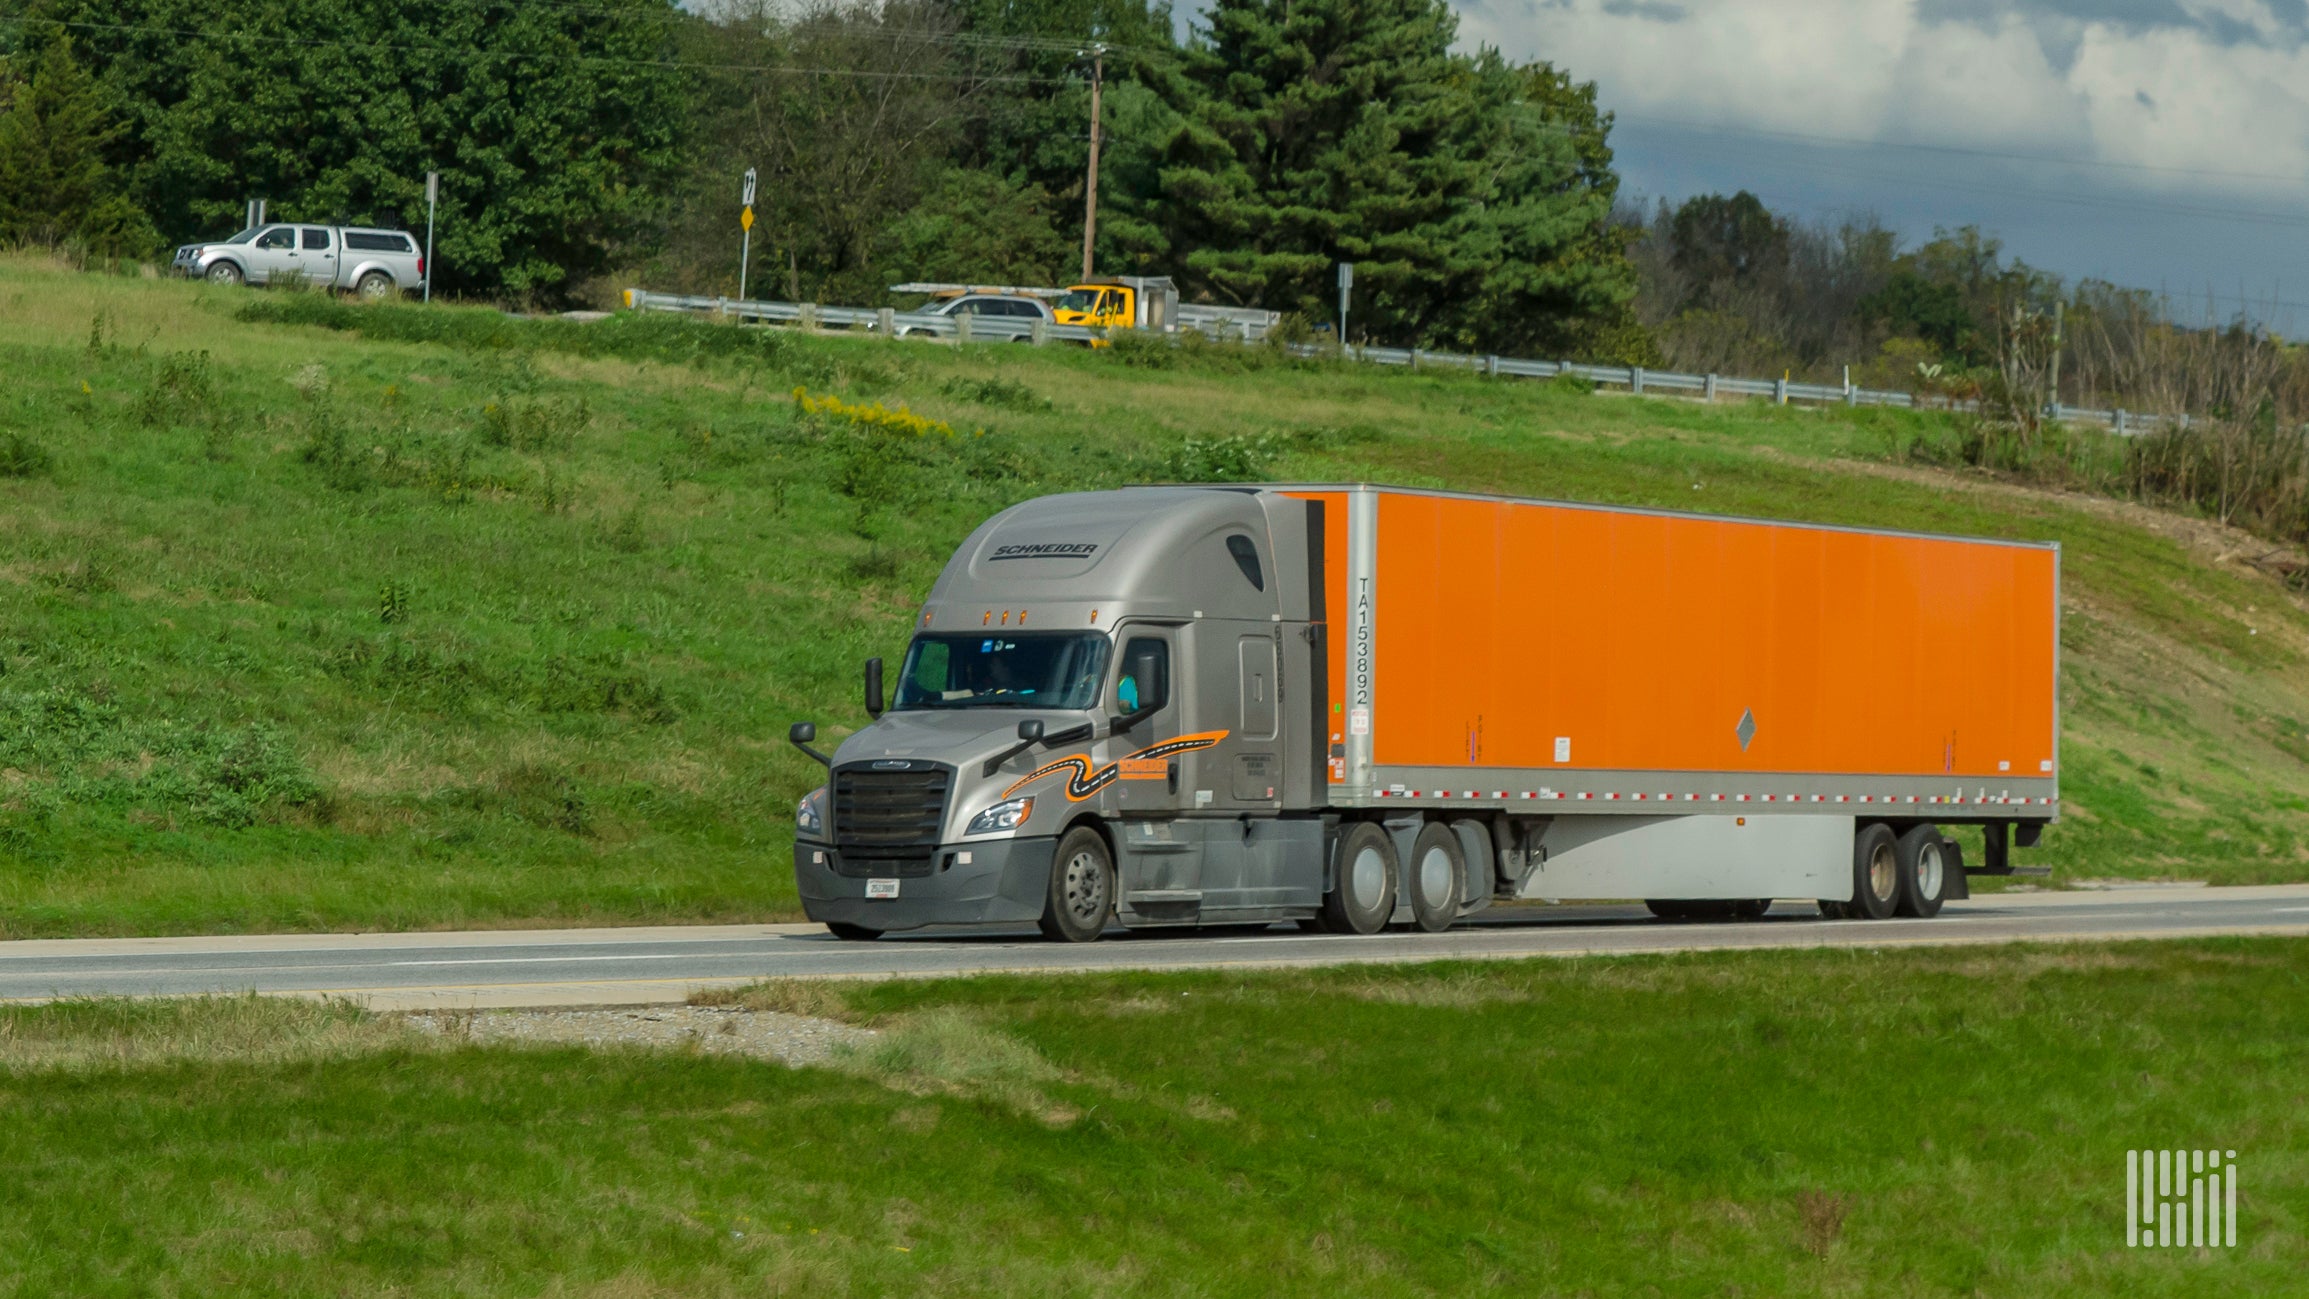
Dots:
pixel 853 933
pixel 1438 877
pixel 1875 873
pixel 1363 896
pixel 1081 895
pixel 1923 858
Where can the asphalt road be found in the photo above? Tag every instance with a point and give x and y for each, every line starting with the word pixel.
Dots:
pixel 571 967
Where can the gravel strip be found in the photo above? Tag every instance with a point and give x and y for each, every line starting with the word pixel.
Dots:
pixel 715 1030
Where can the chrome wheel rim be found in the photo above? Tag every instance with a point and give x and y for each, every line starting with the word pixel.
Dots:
pixel 373 288
pixel 1086 887
pixel 1928 869
pixel 1368 878
pixel 1435 879
pixel 1883 872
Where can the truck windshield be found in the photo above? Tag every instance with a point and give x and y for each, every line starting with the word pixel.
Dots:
pixel 1020 670
pixel 1080 300
pixel 244 236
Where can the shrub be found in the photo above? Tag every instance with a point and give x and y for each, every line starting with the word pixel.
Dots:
pixel 21 457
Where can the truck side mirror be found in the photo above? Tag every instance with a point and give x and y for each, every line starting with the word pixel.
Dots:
pixel 874 687
pixel 1152 668
pixel 1146 670
pixel 1030 730
pixel 800 736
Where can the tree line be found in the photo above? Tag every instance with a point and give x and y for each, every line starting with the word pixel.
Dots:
pixel 586 141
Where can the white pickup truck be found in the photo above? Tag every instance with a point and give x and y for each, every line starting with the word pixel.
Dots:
pixel 377 264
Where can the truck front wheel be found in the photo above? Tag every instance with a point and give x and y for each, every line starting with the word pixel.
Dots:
pixel 1081 896
pixel 1362 897
pixel 223 273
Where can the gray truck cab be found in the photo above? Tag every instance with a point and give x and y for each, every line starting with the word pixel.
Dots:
pixel 1107 705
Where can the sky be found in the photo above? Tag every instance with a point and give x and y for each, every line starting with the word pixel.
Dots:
pixel 2162 144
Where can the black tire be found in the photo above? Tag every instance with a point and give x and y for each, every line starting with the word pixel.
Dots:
pixel 1438 877
pixel 1080 899
pixel 1362 895
pixel 223 273
pixel 853 933
pixel 1875 873
pixel 376 286
pixel 1923 857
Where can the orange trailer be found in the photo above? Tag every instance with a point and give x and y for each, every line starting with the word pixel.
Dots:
pixel 1532 657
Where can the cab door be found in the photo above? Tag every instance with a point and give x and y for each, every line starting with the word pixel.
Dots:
pixel 1149 778
pixel 273 254
pixel 1161 852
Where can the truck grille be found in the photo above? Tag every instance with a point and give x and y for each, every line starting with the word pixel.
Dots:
pixel 886 823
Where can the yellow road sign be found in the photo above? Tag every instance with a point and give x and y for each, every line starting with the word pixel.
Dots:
pixel 746 218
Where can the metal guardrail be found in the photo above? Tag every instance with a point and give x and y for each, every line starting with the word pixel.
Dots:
pixel 970 328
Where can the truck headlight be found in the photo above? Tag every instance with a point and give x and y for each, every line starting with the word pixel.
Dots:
pixel 810 815
pixel 1002 816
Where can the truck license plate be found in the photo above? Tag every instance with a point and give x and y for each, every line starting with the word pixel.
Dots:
pixel 881 888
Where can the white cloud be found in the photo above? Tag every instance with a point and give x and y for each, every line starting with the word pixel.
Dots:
pixel 2221 85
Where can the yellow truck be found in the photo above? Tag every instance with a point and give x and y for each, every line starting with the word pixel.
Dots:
pixel 1152 302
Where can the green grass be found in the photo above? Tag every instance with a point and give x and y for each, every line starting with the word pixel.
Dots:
pixel 1833 1123
pixel 450 619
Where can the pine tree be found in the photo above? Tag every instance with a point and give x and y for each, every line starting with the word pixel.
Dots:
pixel 1348 130
pixel 55 188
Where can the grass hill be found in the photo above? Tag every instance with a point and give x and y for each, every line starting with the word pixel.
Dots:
pixel 331 617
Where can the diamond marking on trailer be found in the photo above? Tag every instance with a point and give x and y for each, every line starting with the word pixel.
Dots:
pixel 1746 730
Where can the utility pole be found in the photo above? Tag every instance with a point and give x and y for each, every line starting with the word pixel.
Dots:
pixel 746 240
pixel 1346 287
pixel 2059 307
pixel 1090 191
pixel 432 208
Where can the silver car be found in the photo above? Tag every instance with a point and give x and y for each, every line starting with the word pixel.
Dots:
pixel 985 306
pixel 374 263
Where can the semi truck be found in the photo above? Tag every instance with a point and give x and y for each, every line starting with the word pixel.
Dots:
pixel 1360 706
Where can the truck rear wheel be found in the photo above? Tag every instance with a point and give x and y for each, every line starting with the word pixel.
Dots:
pixel 376 286
pixel 1362 897
pixel 1923 858
pixel 1875 873
pixel 1081 896
pixel 1438 877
